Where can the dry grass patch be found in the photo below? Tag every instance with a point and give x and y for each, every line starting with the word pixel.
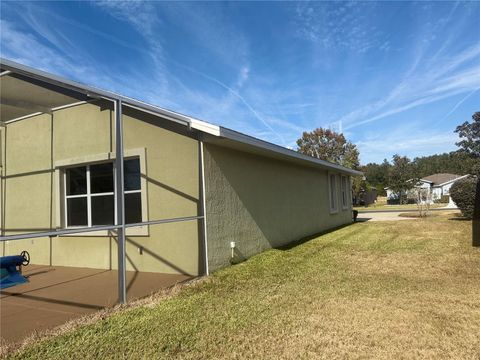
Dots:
pixel 371 290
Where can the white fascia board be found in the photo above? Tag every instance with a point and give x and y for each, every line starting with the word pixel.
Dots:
pixel 205 127
pixel 250 140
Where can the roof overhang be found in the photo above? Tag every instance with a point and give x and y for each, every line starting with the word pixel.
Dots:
pixel 55 86
pixel 26 92
pixel 453 180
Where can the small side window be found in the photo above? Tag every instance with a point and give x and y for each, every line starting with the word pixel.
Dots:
pixel 333 193
pixel 344 192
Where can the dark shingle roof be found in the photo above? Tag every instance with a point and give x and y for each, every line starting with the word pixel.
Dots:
pixel 438 179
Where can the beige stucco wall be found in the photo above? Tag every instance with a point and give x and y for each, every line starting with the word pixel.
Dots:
pixel 31 148
pixel 262 203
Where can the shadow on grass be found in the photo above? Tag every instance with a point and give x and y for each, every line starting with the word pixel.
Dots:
pixel 301 241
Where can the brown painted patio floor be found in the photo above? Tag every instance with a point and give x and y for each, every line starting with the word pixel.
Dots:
pixel 56 294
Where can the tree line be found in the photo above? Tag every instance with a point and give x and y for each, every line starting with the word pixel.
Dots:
pixel 401 167
pixel 328 145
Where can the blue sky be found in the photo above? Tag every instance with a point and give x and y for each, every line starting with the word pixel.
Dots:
pixel 395 77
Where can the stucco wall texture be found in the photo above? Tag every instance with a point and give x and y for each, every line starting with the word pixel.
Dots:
pixel 257 202
pixel 261 203
pixel 32 147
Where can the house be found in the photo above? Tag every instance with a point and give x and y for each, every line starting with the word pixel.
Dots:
pixel 439 185
pixel 193 195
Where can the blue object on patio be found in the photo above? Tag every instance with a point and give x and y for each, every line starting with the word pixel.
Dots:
pixel 10 269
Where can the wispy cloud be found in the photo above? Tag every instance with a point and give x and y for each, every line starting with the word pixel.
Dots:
pixel 340 25
pixel 142 15
pixel 28 49
pixel 211 32
pixel 423 85
pixel 261 68
pixel 209 29
pixel 457 105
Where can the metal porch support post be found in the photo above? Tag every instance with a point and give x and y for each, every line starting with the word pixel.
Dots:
pixel 119 197
pixel 203 205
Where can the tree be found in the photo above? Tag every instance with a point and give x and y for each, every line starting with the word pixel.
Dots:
pixel 423 199
pixel 470 133
pixel 455 162
pixel 328 145
pixel 463 193
pixel 401 176
pixel 377 175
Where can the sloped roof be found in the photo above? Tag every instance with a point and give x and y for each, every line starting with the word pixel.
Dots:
pixel 53 91
pixel 438 179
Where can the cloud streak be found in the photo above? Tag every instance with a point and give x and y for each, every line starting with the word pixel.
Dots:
pixel 421 86
pixel 335 64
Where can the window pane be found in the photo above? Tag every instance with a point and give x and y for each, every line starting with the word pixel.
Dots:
pixel 131 169
pixel 333 191
pixel 103 210
pixel 77 212
pixel 76 180
pixel 101 178
pixel 133 208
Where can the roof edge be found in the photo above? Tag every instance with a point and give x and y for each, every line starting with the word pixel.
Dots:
pixel 449 181
pixel 188 121
pixel 250 140
pixel 90 91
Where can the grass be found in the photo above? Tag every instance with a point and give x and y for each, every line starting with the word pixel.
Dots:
pixel 369 290
pixel 394 207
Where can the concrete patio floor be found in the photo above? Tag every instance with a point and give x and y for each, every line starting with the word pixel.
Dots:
pixel 57 294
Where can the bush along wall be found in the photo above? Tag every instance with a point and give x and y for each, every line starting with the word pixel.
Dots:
pixel 443 200
pixel 463 193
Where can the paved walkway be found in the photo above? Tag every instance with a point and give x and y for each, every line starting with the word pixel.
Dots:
pixel 362 211
pixel 382 216
pixel 57 294
pixel 391 215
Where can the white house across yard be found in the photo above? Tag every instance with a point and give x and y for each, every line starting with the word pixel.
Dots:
pixel 439 185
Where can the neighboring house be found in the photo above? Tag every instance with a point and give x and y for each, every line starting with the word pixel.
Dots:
pixel 439 185
pixel 194 193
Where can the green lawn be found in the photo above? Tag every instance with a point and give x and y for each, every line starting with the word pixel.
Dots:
pixel 369 290
pixel 394 207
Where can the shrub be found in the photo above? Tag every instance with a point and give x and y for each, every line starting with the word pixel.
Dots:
pixel 463 194
pixel 443 200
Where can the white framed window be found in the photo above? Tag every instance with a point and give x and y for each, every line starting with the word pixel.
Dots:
pixel 89 194
pixel 333 193
pixel 344 192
